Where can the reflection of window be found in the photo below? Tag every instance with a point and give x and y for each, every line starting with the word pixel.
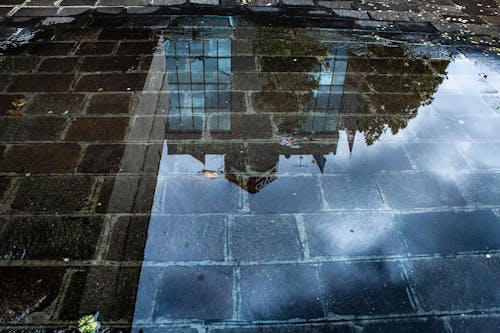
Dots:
pixel 199 82
pixel 325 106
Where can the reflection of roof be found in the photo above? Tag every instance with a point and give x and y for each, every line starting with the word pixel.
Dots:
pixel 252 184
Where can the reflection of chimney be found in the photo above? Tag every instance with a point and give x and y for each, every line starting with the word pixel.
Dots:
pixel 351 134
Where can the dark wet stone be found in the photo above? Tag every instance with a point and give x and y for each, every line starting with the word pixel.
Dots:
pixel 112 290
pixel 30 129
pixel 58 103
pixel 78 3
pixel 449 232
pixel 477 324
pixel 347 234
pixel 265 237
pixel 321 328
pixel 481 188
pixel 51 49
pixel 41 82
pixel 351 192
pixel 73 11
pixel 365 288
pixel 41 3
pixel 17 64
pixel 261 127
pixel 127 194
pixel 58 65
pixel 109 104
pixel 108 64
pixel 36 11
pixel 128 238
pixel 406 326
pixel 28 288
pixel 186 238
pixel 455 284
pixel 287 195
pixel 41 158
pixel 137 48
pixel 419 190
pixel 298 2
pixel 4 185
pixel 201 292
pixel 53 194
pixel 102 158
pixel 242 63
pixel 274 292
pixel 98 129
pixel 197 194
pixel 94 48
pixel 49 238
pixel 371 159
pixel 124 34
pixel 112 82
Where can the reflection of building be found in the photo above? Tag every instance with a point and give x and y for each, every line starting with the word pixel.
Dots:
pixel 204 82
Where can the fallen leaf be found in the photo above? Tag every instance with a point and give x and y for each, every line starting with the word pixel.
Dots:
pixel 15 113
pixel 18 102
pixel 209 173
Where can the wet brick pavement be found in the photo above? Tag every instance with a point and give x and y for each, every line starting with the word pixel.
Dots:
pixel 394 229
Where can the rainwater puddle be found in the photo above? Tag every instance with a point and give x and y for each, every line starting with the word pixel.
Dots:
pixel 218 176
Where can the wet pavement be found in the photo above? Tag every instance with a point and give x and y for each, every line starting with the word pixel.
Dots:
pixel 218 175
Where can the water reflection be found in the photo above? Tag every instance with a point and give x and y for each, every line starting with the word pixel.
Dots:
pixel 241 174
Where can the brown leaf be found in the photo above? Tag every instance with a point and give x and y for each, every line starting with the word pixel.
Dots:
pixel 210 173
pixel 15 113
pixel 18 102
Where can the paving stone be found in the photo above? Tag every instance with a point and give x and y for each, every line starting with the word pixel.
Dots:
pixel 112 290
pixel 17 64
pixel 420 190
pixel 41 158
pixel 105 64
pixel 204 2
pixel 36 11
pixel 265 237
pixel 298 2
pixel 449 232
pixel 125 34
pixel 128 238
pixel 41 82
pixel 321 328
pixel 186 238
pixel 98 129
pixel 102 158
pixel 347 234
pixel 274 292
pixel 481 188
pixel 30 129
pixel 196 194
pixel 4 11
pixel 478 324
pixel 287 195
pixel 109 103
pixel 4 185
pixel 351 192
pixel 49 238
pixel 357 14
pixel 365 288
pixel 482 155
pixel 112 3
pixel 137 48
pixel 262 125
pixel 201 292
pixel 73 11
pixel 26 287
pixel 58 103
pixel 58 65
pixel 41 3
pixel 406 326
pixel 441 158
pixel 78 2
pixel 127 194
pixel 388 16
pixel 112 82
pixel 53 194
pixel 95 48
pixel 453 284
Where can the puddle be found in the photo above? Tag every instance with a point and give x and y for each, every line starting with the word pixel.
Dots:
pixel 217 176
